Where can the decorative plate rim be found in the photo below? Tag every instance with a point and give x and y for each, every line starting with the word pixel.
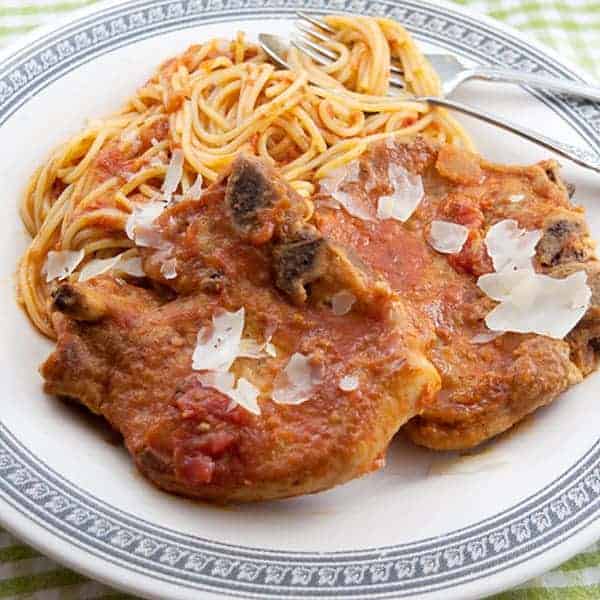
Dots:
pixel 554 514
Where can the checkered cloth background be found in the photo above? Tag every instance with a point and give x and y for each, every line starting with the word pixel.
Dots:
pixel 570 26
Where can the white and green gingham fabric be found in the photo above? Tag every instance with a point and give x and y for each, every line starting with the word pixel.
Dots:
pixel 570 26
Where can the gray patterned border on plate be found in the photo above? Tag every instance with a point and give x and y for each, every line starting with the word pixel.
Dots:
pixel 528 529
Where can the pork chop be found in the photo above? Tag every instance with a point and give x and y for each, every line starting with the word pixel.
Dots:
pixel 488 383
pixel 125 351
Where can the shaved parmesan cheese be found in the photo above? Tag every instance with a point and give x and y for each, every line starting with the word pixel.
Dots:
pixel 385 207
pixel 511 247
pixel 347 173
pixel 217 349
pixel 329 203
pixel 516 197
pixel 348 383
pixel 219 380
pixel 243 394
pixel 339 178
pixel 486 337
pixel 529 302
pixel 406 195
pixel 173 175
pixel 195 191
pixel 250 348
pixel 154 141
pixel 500 286
pixel 98 266
pixel 169 268
pixel 534 303
pixel 294 385
pixel 270 349
pixel 407 192
pixel 139 226
pixel 446 237
pixel 341 303
pixel 131 266
pixel 60 264
pixel 246 396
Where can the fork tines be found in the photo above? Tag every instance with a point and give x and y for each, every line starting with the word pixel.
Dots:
pixel 310 28
pixel 316 21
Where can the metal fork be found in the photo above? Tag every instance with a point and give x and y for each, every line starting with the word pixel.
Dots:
pixel 277 48
pixel 450 70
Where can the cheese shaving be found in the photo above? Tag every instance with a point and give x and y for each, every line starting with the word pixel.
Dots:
pixel 342 302
pixel 337 179
pixel 534 303
pixel 98 266
pixel 500 286
pixel 131 266
pixel 349 383
pixel 446 237
pixel 328 203
pixel 169 268
pixel 139 226
pixel 217 349
pixel 407 192
pixel 195 191
pixel 406 195
pixel 270 348
pixel 486 337
pixel 60 264
pixel 173 175
pixel 244 394
pixel 294 385
pixel 514 198
pixel 511 247
pixel 250 348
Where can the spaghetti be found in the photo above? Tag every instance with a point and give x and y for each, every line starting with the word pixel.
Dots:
pixel 208 104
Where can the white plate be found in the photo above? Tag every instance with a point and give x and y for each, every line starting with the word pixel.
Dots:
pixel 429 525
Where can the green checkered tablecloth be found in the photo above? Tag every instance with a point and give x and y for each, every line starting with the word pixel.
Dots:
pixel 570 26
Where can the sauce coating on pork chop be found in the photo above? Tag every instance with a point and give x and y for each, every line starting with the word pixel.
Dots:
pixel 125 350
pixel 486 387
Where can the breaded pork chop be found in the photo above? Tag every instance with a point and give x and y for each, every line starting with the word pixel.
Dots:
pixel 487 384
pixel 125 351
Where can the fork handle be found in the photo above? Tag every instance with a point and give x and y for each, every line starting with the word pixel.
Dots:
pixel 581 156
pixel 572 88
